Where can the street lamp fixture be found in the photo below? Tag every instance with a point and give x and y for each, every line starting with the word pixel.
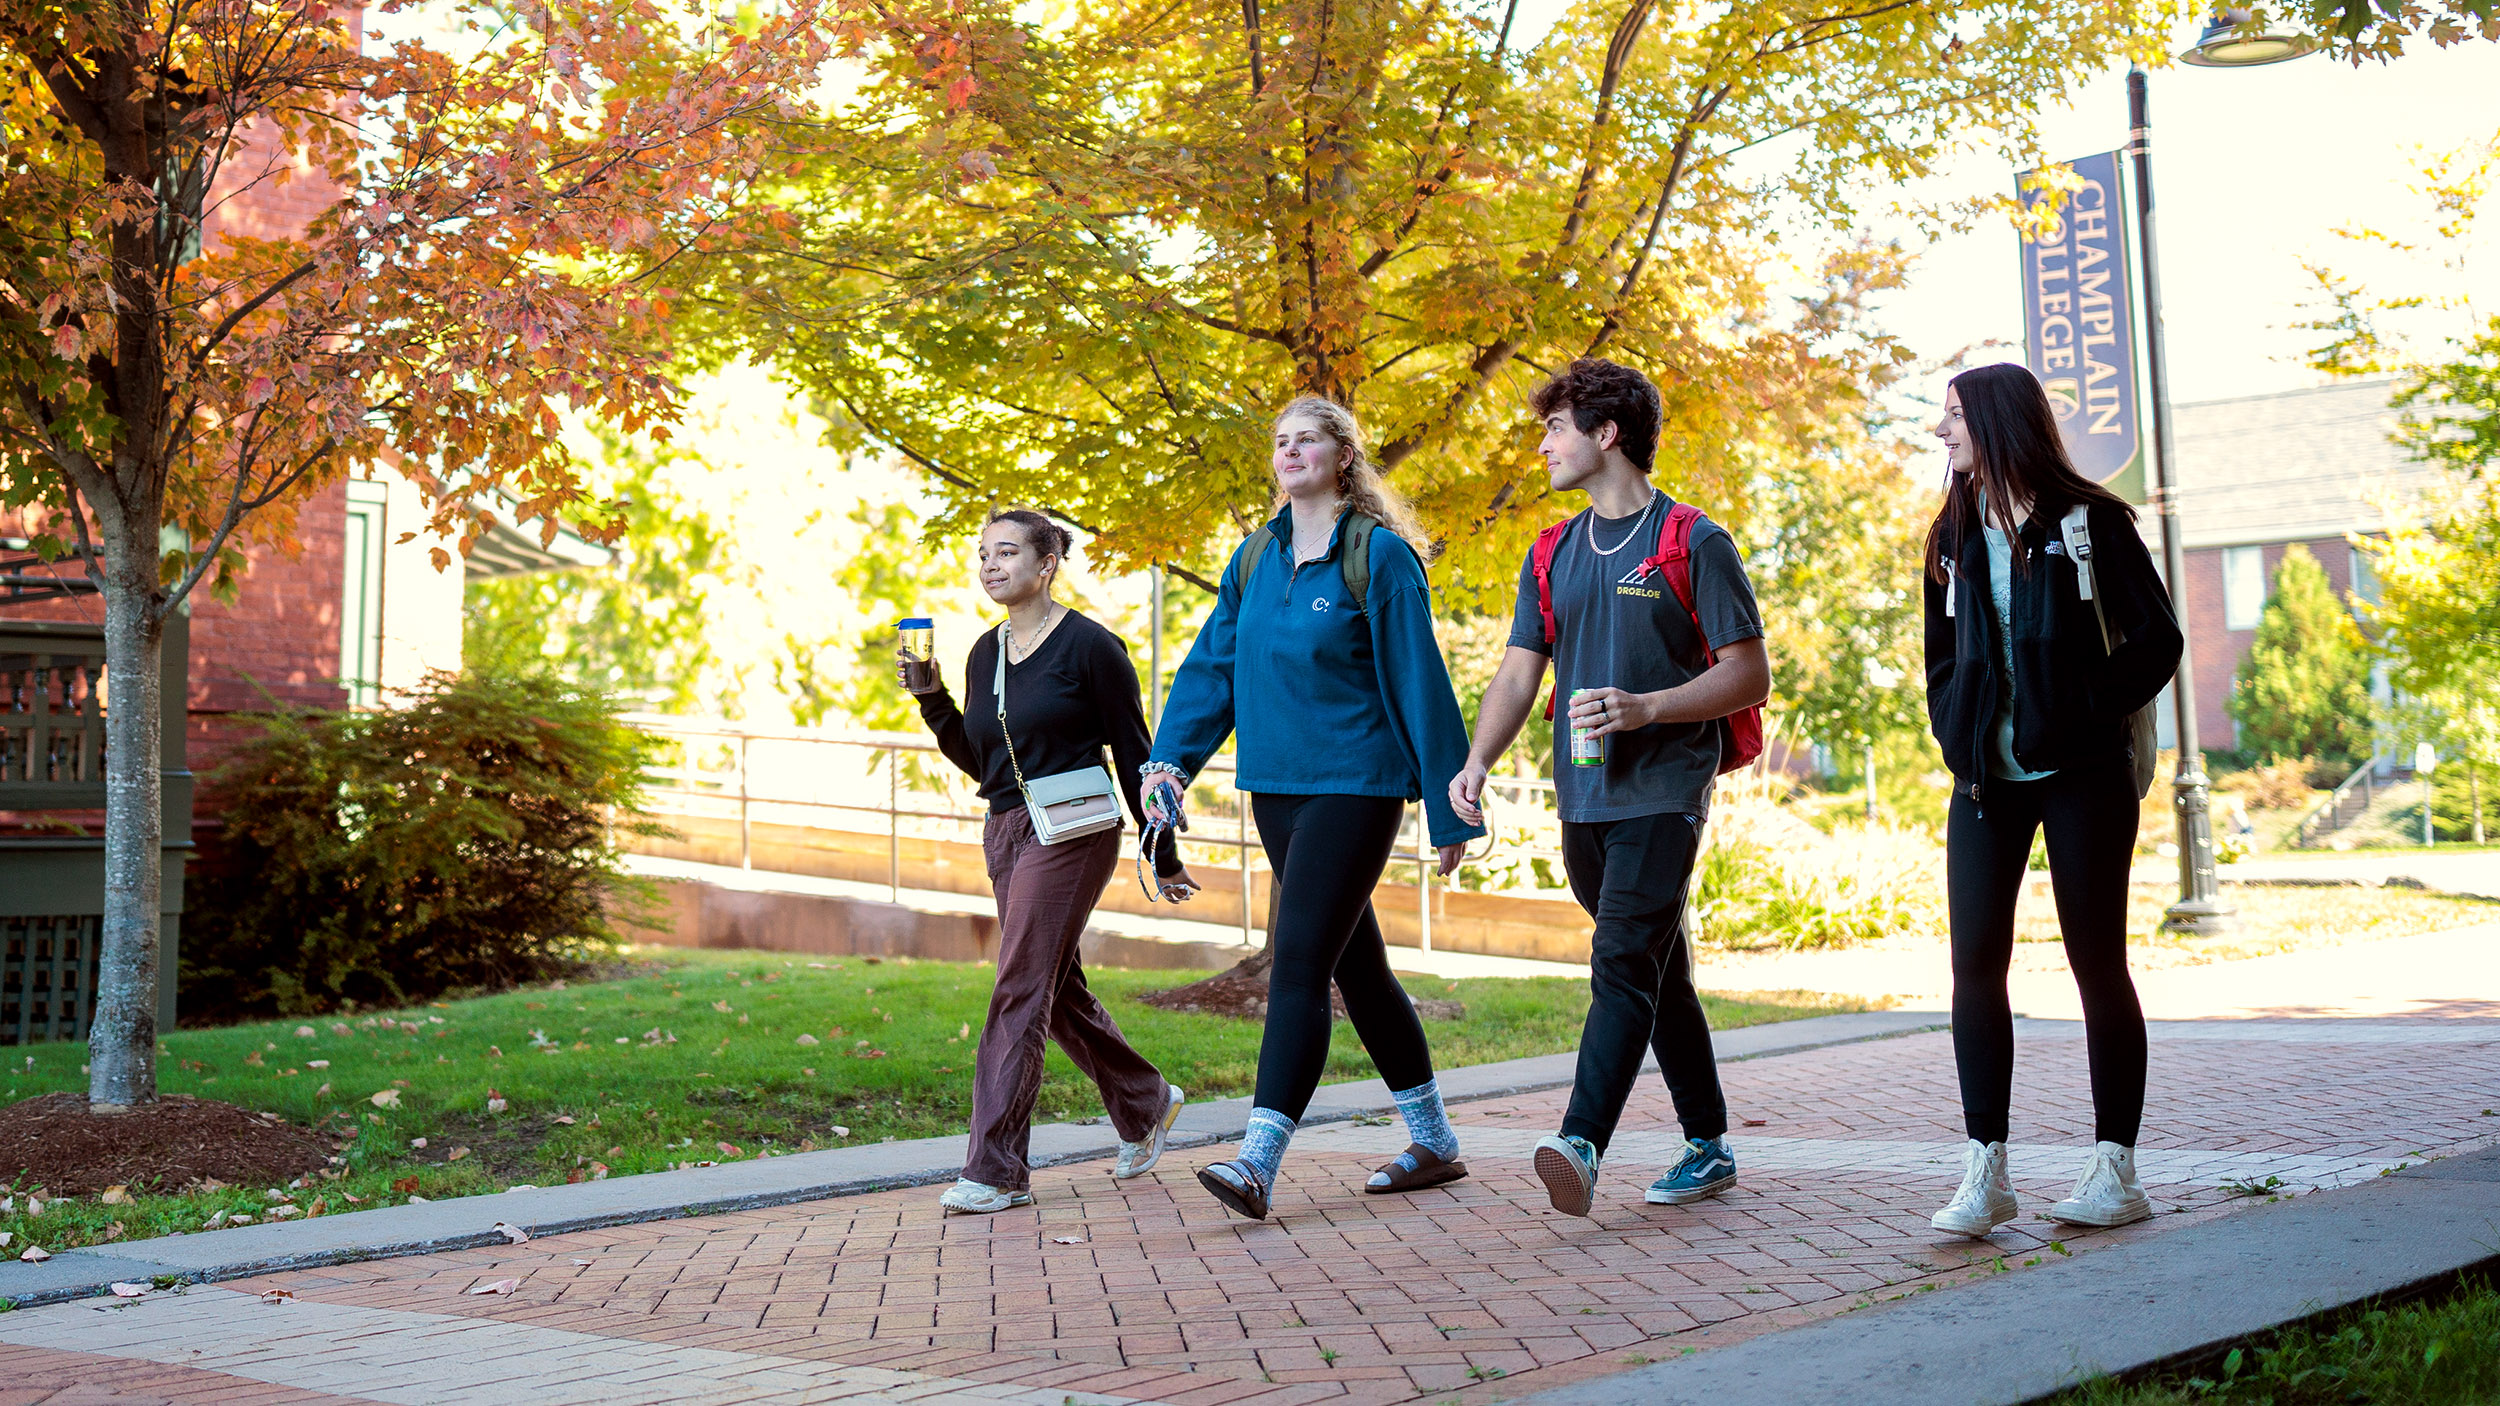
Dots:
pixel 2227 43
pixel 2230 41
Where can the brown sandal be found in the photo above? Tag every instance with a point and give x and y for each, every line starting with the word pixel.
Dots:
pixel 1428 1170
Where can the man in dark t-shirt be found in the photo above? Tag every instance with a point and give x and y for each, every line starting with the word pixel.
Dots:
pixel 1637 675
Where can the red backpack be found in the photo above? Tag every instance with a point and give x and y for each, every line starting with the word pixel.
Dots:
pixel 1740 733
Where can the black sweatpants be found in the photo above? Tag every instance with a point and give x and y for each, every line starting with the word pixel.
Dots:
pixel 2088 819
pixel 1327 853
pixel 1631 875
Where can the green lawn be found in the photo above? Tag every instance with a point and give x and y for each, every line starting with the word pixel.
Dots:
pixel 706 1056
pixel 2436 1353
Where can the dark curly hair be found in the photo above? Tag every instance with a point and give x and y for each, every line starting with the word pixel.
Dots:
pixel 1596 391
pixel 1040 533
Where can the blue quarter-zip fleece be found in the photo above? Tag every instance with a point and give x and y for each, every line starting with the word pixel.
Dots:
pixel 1328 700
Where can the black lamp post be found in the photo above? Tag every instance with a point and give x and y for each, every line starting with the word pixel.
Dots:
pixel 2228 42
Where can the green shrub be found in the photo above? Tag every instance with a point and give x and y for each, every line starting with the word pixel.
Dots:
pixel 2463 796
pixel 461 841
pixel 2303 690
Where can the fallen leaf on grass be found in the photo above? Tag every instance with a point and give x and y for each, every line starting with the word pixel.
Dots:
pixel 512 1232
pixel 721 1006
pixel 417 1142
pixel 35 1254
pixel 456 1154
pixel 282 1212
pixel 404 1185
pixel 129 1291
pixel 114 1196
pixel 731 1148
pixel 868 1053
pixel 352 1198
pixel 387 1098
pixel 316 1064
pixel 565 1118
pixel 840 1131
pixel 496 1286
pixel 807 1039
pixel 5 1238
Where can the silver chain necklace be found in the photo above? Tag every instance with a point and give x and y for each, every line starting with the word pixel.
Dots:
pixel 1646 510
pixel 1050 621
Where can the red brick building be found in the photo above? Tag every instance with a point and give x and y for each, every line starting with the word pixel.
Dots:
pixel 2257 474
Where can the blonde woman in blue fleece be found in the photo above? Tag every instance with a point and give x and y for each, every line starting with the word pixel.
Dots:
pixel 1333 682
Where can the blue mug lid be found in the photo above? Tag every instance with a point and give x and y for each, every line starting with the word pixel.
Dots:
pixel 917 623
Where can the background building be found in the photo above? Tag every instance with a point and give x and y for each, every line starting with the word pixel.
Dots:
pixel 2257 474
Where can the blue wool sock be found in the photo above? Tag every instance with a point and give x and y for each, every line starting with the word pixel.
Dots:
pixel 1427 1126
pixel 1263 1143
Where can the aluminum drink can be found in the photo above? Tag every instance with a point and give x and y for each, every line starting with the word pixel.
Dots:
pixel 1587 748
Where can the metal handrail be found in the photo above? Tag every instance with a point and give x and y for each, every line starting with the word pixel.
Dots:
pixel 697 783
pixel 2332 808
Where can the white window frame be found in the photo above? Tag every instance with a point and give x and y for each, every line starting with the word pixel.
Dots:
pixel 2245 587
pixel 360 603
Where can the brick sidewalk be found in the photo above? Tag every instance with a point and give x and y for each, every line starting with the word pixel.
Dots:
pixel 1476 1290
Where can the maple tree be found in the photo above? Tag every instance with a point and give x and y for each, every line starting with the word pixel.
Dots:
pixel 495 216
pixel 1149 226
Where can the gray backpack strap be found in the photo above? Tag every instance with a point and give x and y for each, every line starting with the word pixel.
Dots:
pixel 2076 528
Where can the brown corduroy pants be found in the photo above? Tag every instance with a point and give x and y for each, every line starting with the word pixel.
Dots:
pixel 1045 893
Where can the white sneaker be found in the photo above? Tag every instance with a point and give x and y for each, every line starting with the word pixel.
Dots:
pixel 1138 1158
pixel 972 1198
pixel 2108 1194
pixel 1986 1199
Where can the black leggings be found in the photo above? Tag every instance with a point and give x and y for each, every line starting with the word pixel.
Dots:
pixel 2088 817
pixel 1327 853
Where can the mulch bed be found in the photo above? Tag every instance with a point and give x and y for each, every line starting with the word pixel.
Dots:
pixel 53 1142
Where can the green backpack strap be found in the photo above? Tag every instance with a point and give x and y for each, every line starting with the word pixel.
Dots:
pixel 1358 557
pixel 1251 551
pixel 1356 543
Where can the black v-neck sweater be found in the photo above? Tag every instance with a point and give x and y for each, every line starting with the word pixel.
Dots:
pixel 1066 702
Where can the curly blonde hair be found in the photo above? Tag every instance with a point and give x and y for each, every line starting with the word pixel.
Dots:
pixel 1359 483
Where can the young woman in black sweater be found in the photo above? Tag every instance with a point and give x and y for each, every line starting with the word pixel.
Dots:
pixel 1070 692
pixel 2031 685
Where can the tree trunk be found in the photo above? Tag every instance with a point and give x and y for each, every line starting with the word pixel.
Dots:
pixel 121 1040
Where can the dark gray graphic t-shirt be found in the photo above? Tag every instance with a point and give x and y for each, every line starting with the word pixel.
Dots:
pixel 1615 627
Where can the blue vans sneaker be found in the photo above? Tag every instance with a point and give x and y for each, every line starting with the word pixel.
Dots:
pixel 1707 1169
pixel 1568 1167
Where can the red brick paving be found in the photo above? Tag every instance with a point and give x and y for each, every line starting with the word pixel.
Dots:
pixel 1348 1297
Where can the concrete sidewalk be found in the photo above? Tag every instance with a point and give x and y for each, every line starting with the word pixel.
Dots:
pixel 2166 1299
pixel 469 1222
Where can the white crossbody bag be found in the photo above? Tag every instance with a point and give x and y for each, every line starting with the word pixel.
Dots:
pixel 1064 806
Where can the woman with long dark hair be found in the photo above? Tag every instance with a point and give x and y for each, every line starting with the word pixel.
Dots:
pixel 1048 692
pixel 1320 656
pixel 2047 630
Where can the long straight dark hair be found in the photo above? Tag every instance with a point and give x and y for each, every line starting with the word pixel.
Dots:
pixel 2017 457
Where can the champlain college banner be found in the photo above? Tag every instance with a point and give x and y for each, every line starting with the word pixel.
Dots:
pixel 2079 328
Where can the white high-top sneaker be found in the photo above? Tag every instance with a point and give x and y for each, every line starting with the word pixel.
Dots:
pixel 1986 1199
pixel 2108 1194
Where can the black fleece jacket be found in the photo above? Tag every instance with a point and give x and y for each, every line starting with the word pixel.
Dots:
pixel 2072 699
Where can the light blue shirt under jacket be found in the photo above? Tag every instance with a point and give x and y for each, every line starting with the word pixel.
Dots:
pixel 2001 763
pixel 1326 699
